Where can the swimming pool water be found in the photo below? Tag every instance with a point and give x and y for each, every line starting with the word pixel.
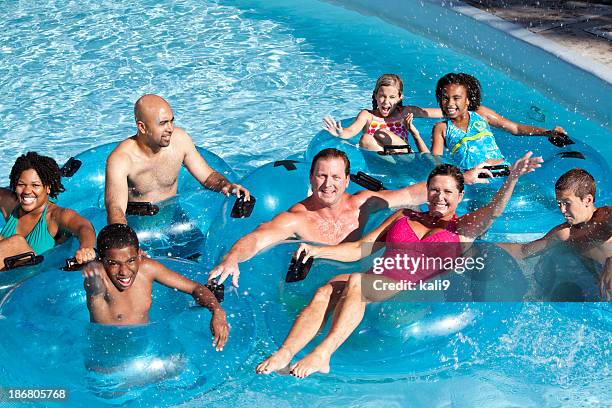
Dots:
pixel 250 80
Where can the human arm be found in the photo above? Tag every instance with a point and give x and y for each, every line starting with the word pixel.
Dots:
pixel 8 201
pixel 116 187
pixel 518 129
pixel 416 194
pixel 437 138
pixel 605 280
pixel 283 226
pixel 415 134
pixel 474 224
pixel 206 175
pixel 335 127
pixel 202 295
pixel 525 250
pixel 351 251
pixel 423 112
pixel 69 220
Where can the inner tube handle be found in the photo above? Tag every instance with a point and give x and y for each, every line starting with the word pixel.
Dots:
pixel 391 149
pixel 23 259
pixel 367 181
pixel 217 289
pixel 243 209
pixel 144 208
pixel 298 270
pixel 70 168
pixel 500 170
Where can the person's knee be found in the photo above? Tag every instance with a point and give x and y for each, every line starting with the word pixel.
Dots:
pixel 323 293
pixel 368 142
pixel 354 282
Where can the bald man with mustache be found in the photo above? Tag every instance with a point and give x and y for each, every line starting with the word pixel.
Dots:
pixel 145 167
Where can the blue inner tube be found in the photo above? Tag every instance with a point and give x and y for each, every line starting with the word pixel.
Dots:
pixel 533 196
pixel 178 229
pixel 53 260
pixel 168 361
pixel 398 338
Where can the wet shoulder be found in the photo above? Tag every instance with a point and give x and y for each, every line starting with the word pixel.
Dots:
pixel 8 201
pixel 124 152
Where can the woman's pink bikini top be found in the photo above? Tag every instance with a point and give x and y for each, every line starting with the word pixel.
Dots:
pixel 436 248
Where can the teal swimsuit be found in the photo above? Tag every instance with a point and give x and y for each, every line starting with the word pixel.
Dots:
pixel 39 238
pixel 474 146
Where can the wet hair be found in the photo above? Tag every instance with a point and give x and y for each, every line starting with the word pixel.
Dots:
pixel 116 236
pixel 388 80
pixel 470 83
pixel 331 153
pixel 448 170
pixel 578 181
pixel 46 168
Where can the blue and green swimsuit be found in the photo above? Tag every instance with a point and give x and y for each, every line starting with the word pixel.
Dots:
pixel 475 145
pixel 39 238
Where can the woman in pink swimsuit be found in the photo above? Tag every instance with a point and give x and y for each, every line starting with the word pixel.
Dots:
pixel 349 294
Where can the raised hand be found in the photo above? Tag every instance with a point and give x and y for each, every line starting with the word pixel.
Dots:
pixel 408 120
pixel 471 175
pixel 333 127
pixel 525 164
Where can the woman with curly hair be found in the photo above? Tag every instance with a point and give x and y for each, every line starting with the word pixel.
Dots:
pixel 466 133
pixel 33 222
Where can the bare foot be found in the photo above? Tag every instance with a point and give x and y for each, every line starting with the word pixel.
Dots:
pixel 279 361
pixel 315 361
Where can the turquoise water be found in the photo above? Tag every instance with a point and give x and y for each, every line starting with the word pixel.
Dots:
pixel 251 80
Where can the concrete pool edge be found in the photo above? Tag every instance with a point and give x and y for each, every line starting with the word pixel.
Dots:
pixel 587 64
pixel 557 72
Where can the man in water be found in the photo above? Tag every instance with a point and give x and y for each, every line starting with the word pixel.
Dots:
pixel 328 216
pixel 119 285
pixel 587 229
pixel 145 167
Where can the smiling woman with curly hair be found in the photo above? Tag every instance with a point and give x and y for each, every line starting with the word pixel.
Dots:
pixel 33 222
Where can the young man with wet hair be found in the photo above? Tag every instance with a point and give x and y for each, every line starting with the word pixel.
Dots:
pixel 587 229
pixel 119 285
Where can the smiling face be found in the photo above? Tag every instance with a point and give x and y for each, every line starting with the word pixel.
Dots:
pixel 155 120
pixel 30 190
pixel 328 180
pixel 387 98
pixel 443 196
pixel 576 210
pixel 121 265
pixel 454 101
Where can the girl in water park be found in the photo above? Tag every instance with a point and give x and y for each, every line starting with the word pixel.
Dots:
pixel 389 122
pixel 466 132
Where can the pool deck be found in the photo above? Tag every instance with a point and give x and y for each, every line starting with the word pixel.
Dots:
pixel 582 27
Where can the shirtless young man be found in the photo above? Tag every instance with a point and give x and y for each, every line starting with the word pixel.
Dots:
pixel 145 167
pixel 119 287
pixel 328 216
pixel 587 229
